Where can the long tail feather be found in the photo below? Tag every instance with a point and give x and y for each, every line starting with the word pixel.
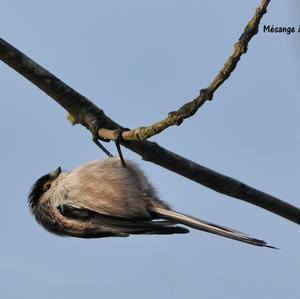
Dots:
pixel 207 226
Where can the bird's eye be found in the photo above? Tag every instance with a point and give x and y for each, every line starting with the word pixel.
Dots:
pixel 47 187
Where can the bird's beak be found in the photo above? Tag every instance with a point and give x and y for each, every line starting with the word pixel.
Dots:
pixel 55 173
pixel 58 170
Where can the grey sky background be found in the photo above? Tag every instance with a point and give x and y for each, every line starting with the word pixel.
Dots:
pixel 138 60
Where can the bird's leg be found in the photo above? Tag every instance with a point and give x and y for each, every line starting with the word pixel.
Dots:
pixel 117 142
pixel 97 142
pixel 119 138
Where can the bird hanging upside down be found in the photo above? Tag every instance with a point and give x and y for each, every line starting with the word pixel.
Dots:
pixel 103 199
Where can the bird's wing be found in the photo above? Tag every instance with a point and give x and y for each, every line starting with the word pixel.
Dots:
pixel 119 226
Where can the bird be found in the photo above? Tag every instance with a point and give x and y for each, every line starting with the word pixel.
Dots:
pixel 103 199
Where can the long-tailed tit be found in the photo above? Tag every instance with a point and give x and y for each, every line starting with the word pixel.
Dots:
pixel 104 199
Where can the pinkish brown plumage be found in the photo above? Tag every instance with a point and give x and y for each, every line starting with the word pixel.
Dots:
pixel 102 198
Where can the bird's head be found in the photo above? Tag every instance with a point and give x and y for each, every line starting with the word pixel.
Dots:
pixel 42 187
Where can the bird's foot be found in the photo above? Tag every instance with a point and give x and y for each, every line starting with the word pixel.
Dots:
pixel 119 138
pixel 97 142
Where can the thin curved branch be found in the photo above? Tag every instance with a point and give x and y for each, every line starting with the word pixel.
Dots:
pixel 190 108
pixel 92 117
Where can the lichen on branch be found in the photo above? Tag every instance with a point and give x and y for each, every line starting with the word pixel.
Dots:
pixel 190 108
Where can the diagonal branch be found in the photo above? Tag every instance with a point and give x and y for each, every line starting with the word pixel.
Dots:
pixel 92 117
pixel 190 108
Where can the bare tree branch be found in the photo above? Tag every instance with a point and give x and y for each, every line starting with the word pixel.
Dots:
pixel 190 108
pixel 92 118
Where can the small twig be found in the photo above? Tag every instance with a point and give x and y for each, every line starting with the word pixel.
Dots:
pixel 190 108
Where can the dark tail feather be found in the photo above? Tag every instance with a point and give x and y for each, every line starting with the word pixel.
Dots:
pixel 167 230
pixel 208 227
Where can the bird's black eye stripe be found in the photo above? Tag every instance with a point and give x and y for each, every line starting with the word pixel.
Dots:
pixel 37 190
